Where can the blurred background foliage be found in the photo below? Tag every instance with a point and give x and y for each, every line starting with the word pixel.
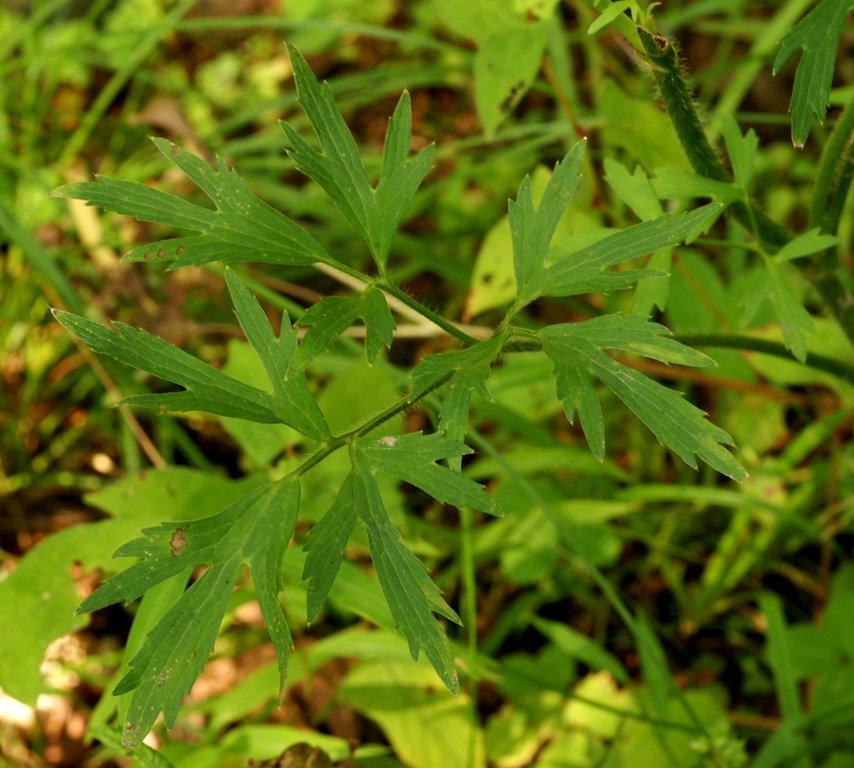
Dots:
pixel 745 591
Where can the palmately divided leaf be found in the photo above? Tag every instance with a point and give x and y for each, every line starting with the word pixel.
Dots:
pixel 206 388
pixel 333 315
pixel 576 349
pixel 254 531
pixel 375 215
pixel 243 228
pixel 582 271
pixel 818 34
pixel 531 231
pixel 275 353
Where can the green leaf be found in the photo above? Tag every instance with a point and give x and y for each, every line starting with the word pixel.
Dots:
pixel 742 151
pixel 333 315
pixel 339 170
pixel 275 354
pixel 505 65
pixel 805 245
pixel 532 231
pixel 634 189
pixel 818 35
pixel 795 321
pixel 582 272
pixel 243 228
pixel 466 372
pixel 254 530
pixel 577 353
pixel 411 458
pixel 206 389
pixel 411 596
pixel 683 185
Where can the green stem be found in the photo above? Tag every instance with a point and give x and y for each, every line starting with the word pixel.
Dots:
pixel 824 363
pixel 676 95
pixel 445 325
pixel 833 177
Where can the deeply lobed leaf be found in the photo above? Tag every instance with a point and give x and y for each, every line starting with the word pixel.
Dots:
pixel 577 353
pixel 818 34
pixel 254 531
pixel 374 214
pixel 243 228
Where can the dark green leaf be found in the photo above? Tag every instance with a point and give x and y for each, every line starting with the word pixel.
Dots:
pixel 206 389
pixel 411 458
pixel 818 34
pixel 582 272
pixel 339 170
pixel 333 315
pixel 255 531
pixel 243 228
pixel 532 231
pixel 577 353
pixel 276 355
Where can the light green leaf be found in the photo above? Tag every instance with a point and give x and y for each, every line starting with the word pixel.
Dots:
pixel 577 353
pixel 333 315
pixel 818 34
pixel 795 321
pixel 505 65
pixel 275 354
pixel 634 189
pixel 683 185
pixel 610 13
pixel 339 170
pixel 411 458
pixel 742 151
pixel 805 245
pixel 254 530
pixel 532 231
pixel 243 228
pixel 582 271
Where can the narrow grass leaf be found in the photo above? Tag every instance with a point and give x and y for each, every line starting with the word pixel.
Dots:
pixel 254 531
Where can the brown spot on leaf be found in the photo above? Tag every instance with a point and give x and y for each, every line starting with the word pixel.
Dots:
pixel 178 542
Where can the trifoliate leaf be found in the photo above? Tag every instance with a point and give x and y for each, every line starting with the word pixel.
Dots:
pixel 582 271
pixel 531 231
pixel 243 228
pixel 254 531
pixel 339 170
pixel 275 354
pixel 576 350
pixel 333 315
pixel 818 34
